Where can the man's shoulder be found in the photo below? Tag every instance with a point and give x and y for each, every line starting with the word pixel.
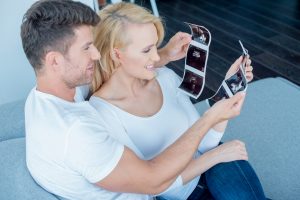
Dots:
pixel 41 106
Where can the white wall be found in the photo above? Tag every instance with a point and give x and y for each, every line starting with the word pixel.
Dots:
pixel 16 74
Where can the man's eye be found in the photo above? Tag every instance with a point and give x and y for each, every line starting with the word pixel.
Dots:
pixel 87 48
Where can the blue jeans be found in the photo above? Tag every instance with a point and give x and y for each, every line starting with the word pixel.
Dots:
pixel 229 181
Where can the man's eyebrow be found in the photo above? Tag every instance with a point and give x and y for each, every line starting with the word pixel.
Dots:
pixel 87 44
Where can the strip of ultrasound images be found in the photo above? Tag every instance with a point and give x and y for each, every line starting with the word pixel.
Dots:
pixel 192 83
pixel 234 84
pixel 221 94
pixel 200 34
pixel 245 55
pixel 196 58
pixel 245 51
pixel 237 82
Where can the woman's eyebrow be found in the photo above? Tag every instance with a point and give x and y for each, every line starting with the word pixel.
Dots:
pixel 149 46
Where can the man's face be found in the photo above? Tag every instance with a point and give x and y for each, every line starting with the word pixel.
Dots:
pixel 79 62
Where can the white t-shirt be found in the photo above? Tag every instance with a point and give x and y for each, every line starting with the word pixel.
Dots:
pixel 149 136
pixel 68 148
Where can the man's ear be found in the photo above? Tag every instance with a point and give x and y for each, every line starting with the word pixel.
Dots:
pixel 53 60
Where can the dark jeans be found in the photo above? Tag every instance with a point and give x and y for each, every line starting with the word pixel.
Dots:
pixel 229 181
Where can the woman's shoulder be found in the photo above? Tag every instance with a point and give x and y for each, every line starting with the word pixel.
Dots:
pixel 167 75
pixel 104 108
pixel 165 71
pixel 100 104
pixel 104 92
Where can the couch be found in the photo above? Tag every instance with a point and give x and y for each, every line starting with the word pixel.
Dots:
pixel 15 180
pixel 268 124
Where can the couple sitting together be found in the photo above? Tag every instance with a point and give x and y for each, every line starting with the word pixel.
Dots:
pixel 137 137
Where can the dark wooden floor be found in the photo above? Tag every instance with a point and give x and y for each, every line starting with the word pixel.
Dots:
pixel 269 29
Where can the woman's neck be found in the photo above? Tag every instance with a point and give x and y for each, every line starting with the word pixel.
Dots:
pixel 120 86
pixel 139 97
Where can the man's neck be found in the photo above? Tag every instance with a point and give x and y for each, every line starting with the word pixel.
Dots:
pixel 56 88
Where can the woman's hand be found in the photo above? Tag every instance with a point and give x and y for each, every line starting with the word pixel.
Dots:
pixel 175 49
pixel 227 152
pixel 177 46
pixel 230 151
pixel 235 66
pixel 232 70
pixel 225 109
pixel 249 69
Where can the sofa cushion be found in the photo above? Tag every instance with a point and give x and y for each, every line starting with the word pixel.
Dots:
pixel 269 125
pixel 12 120
pixel 15 180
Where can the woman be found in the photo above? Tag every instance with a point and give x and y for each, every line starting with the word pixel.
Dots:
pixel 144 104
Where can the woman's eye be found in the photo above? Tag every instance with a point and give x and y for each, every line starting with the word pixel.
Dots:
pixel 146 51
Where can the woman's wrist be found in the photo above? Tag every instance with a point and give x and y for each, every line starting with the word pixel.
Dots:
pixel 213 156
pixel 164 58
pixel 220 127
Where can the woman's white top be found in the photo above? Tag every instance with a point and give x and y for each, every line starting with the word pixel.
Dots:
pixel 149 136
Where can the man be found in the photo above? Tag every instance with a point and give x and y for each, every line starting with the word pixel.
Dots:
pixel 68 150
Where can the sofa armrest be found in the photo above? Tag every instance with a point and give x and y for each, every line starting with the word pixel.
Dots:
pixel 15 180
pixel 12 120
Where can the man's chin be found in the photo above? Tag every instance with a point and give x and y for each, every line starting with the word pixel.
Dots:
pixel 87 81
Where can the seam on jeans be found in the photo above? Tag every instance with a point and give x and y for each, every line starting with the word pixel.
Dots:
pixel 200 186
pixel 236 163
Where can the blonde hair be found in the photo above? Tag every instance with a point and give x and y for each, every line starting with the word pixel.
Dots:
pixel 110 33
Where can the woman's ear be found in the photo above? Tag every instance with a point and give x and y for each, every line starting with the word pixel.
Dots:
pixel 116 55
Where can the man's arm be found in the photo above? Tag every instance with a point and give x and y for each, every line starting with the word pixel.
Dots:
pixel 154 176
pixel 174 50
pixel 227 152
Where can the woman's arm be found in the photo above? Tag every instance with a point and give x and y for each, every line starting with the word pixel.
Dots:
pixel 249 76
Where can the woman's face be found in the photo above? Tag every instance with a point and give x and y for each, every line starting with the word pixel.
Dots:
pixel 138 58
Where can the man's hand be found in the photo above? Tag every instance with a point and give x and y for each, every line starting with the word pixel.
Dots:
pixel 235 66
pixel 175 49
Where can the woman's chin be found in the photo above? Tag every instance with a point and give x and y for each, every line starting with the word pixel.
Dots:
pixel 152 75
